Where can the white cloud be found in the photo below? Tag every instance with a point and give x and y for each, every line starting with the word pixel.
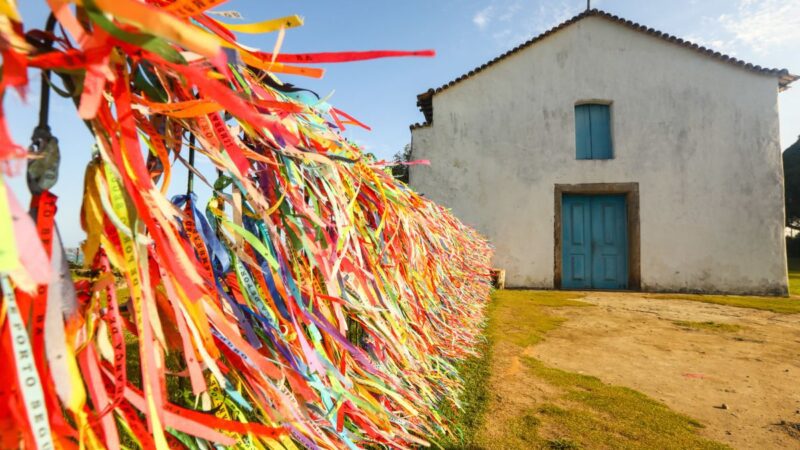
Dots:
pixel 753 29
pixel 727 47
pixel 764 25
pixel 512 22
pixel 510 12
pixel 535 21
pixel 483 17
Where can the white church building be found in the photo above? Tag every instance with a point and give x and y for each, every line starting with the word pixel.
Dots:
pixel 603 154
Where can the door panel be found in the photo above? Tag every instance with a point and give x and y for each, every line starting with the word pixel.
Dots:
pixel 578 265
pixel 576 242
pixel 594 242
pixel 609 242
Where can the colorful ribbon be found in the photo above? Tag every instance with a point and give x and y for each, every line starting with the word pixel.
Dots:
pixel 312 301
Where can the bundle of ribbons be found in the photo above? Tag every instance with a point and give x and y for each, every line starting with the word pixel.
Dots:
pixel 309 301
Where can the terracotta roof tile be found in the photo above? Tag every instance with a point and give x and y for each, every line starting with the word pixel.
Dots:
pixel 425 100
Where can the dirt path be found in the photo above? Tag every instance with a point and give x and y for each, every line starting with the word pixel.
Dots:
pixel 632 341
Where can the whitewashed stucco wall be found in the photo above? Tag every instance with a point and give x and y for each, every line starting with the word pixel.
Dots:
pixel 699 136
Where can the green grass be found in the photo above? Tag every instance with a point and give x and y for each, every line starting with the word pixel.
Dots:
pixel 794 276
pixel 464 422
pixel 475 372
pixel 593 414
pixel 780 305
pixel 579 411
pixel 708 326
pixel 518 317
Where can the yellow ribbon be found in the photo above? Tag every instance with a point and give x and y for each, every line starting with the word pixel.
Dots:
pixel 266 26
pixel 9 257
pixel 163 25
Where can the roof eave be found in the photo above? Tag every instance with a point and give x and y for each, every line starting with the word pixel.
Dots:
pixel 785 79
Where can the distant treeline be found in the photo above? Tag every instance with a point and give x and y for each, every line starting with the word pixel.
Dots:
pixel 791 180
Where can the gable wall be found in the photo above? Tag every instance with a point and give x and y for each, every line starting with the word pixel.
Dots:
pixel 699 136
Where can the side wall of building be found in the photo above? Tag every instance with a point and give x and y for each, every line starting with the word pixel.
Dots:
pixel 699 136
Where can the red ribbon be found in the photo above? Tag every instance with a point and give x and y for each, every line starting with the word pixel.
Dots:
pixel 340 57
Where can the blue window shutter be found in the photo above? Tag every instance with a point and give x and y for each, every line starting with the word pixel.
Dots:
pixel 583 135
pixel 600 120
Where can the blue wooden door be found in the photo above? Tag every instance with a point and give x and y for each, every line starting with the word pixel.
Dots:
pixel 594 242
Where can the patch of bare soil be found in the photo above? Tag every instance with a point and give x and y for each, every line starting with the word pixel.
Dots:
pixel 515 390
pixel 743 385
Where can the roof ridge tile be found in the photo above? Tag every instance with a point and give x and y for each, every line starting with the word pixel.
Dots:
pixel 425 100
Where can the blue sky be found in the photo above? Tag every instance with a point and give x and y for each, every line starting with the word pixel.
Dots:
pixel 464 33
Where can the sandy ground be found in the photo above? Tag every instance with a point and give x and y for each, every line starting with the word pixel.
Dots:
pixel 632 341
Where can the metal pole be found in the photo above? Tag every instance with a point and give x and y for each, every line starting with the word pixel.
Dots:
pixel 42 171
pixel 44 100
pixel 190 181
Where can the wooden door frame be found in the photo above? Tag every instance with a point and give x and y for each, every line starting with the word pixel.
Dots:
pixel 631 192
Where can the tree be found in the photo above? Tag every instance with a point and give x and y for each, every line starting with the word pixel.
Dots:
pixel 399 170
pixel 791 181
